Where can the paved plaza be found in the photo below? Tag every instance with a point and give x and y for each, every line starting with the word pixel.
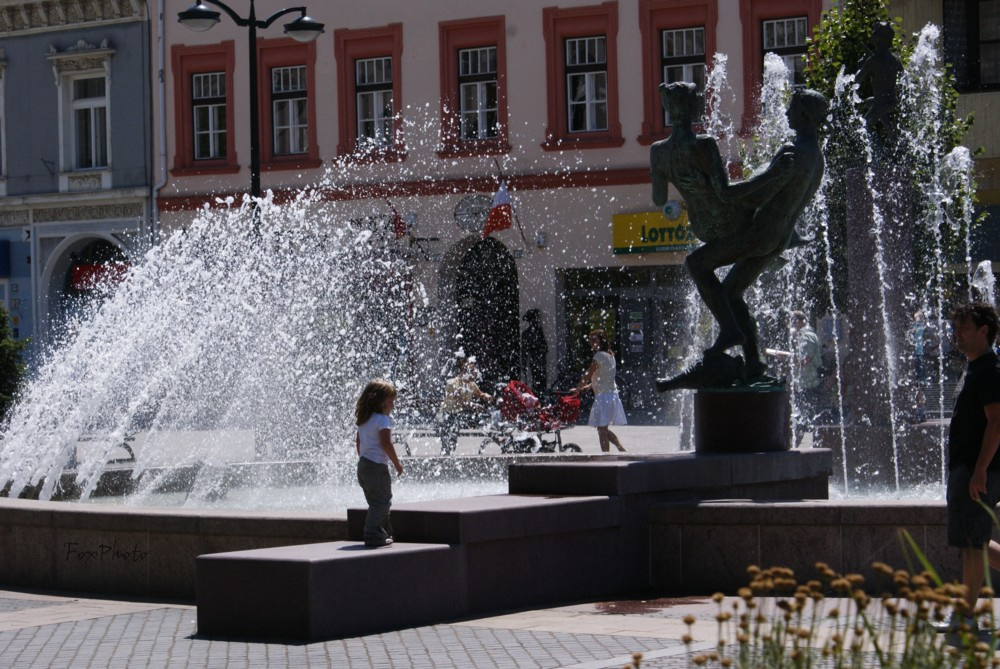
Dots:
pixel 47 630
pixel 58 630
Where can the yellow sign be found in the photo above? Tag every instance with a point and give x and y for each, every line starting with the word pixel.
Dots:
pixel 651 231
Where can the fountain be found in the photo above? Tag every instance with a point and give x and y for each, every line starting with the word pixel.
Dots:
pixel 890 214
pixel 255 353
pixel 876 404
pixel 239 352
pixel 250 367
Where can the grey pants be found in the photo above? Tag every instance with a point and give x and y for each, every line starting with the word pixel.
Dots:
pixel 377 484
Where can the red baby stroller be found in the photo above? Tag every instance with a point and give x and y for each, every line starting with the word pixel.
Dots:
pixel 525 422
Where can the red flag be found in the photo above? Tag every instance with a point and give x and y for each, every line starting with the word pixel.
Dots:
pixel 398 224
pixel 499 217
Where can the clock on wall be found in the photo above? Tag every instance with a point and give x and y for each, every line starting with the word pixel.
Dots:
pixel 471 212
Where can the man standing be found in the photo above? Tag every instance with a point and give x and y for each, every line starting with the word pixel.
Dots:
pixel 973 468
pixel 808 358
pixel 535 351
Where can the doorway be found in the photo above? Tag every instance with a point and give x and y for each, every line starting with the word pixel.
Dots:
pixel 644 310
pixel 487 302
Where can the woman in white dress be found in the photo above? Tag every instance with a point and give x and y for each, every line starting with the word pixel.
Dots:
pixel 600 377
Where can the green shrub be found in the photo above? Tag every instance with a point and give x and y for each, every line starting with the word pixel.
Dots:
pixel 12 367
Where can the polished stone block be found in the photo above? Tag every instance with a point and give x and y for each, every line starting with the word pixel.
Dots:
pixel 328 590
pixel 848 535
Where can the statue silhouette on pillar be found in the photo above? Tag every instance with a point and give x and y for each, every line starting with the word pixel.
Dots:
pixel 882 68
pixel 747 224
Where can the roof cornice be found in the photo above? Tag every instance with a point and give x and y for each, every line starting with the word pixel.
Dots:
pixel 18 17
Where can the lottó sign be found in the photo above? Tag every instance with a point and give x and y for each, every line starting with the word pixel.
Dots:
pixel 652 231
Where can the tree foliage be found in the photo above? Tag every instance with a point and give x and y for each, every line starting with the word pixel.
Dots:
pixel 842 42
pixel 12 367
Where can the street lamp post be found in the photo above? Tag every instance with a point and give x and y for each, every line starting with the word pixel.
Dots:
pixel 199 17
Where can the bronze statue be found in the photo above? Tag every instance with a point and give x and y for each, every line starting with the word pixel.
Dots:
pixel 882 68
pixel 746 224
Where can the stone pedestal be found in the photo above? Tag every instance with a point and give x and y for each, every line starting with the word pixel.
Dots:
pixel 742 421
pixel 879 254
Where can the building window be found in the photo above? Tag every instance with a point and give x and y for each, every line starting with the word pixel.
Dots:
pixel 787 38
pixel 290 109
pixel 581 61
pixel 203 109
pixel 587 84
pixel 779 26
pixel 477 92
pixel 208 113
pixel 82 74
pixel 683 58
pixel 3 126
pixel 373 87
pixel 90 123
pixel 677 38
pixel 369 95
pixel 287 73
pixel 474 95
pixel 972 43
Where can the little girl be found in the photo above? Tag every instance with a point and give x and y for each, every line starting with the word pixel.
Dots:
pixel 374 446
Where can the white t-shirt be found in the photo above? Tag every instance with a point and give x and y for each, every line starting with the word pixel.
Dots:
pixel 604 376
pixel 371 444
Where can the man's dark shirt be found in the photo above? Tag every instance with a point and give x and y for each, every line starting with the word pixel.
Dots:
pixel 968 420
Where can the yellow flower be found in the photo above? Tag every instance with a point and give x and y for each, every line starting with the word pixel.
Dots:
pixel 882 568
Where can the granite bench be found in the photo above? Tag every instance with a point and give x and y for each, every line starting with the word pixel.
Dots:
pixel 568 531
pixel 452 558
pixel 328 590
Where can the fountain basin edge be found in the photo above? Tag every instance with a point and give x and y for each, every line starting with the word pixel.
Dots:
pixel 654 524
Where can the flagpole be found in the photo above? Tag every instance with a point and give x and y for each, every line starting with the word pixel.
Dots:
pixel 397 222
pixel 517 218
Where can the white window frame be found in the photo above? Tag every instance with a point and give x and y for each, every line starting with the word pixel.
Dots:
pixel 684 49
pixel 987 50
pixel 90 144
pixel 477 80
pixel 215 104
pixel 586 78
pixel 3 124
pixel 81 61
pixel 373 95
pixel 788 40
pixel 290 103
